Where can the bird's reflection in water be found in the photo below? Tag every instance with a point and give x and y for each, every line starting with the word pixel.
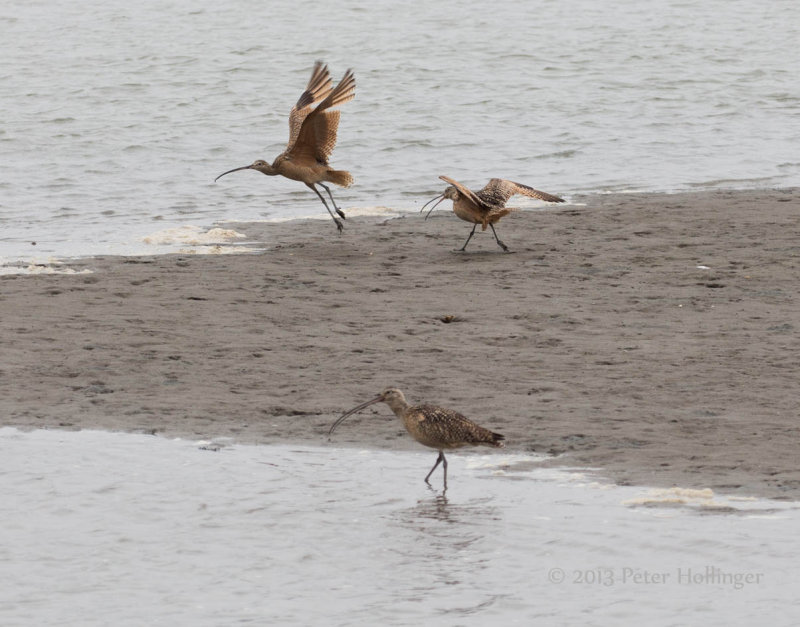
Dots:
pixel 437 506
pixel 448 539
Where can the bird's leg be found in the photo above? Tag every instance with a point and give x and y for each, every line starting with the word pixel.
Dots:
pixel 339 211
pixel 471 233
pixel 502 245
pixel 439 460
pixel 339 224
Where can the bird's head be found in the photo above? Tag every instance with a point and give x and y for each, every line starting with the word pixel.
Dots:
pixel 392 395
pixel 263 167
pixel 451 192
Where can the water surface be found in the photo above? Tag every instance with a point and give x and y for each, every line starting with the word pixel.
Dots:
pixel 108 528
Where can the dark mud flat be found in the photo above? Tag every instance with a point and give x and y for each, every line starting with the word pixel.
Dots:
pixel 651 336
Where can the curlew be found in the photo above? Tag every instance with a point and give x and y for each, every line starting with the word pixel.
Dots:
pixel 487 205
pixel 431 426
pixel 312 137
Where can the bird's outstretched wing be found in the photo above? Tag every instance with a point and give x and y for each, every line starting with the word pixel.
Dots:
pixel 497 192
pixel 466 191
pixel 317 136
pixel 319 87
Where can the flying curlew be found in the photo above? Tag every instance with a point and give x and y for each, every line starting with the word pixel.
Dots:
pixel 487 205
pixel 312 137
pixel 431 426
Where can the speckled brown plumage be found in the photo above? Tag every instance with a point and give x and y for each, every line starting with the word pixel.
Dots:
pixel 312 137
pixel 497 192
pixel 487 205
pixel 431 425
pixel 442 428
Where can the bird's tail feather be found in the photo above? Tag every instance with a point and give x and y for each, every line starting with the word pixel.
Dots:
pixel 495 214
pixel 489 438
pixel 339 177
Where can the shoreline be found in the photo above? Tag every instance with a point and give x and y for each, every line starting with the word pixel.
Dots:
pixel 650 336
pixel 196 237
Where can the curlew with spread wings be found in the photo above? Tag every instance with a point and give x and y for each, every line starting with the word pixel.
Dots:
pixel 312 137
pixel 487 205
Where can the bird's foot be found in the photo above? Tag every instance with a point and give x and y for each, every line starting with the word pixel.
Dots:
pixel 503 246
pixel 339 225
pixel 341 213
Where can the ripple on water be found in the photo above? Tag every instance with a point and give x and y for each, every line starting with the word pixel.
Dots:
pixel 319 535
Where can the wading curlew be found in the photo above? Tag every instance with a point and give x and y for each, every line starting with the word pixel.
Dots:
pixel 312 137
pixel 432 426
pixel 487 205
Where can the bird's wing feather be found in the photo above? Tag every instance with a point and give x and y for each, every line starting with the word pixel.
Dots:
pixel 452 428
pixel 466 191
pixel 345 91
pixel 317 135
pixel 319 87
pixel 498 191
pixel 317 138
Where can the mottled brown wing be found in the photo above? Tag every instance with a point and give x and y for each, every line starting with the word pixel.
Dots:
pixel 345 91
pixel 317 137
pixel 467 192
pixel 498 191
pixel 319 87
pixel 452 429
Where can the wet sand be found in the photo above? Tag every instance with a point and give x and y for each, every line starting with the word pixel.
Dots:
pixel 651 336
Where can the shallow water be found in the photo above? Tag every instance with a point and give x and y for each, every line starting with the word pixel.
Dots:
pixel 107 528
pixel 118 115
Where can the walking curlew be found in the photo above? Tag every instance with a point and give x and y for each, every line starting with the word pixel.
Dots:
pixel 312 137
pixel 431 426
pixel 487 205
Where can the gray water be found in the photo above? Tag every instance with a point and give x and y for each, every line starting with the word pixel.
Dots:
pixel 118 529
pixel 117 116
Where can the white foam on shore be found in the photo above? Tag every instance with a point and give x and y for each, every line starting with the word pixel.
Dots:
pixel 192 235
pixel 186 239
pixel 37 266
pixel 705 499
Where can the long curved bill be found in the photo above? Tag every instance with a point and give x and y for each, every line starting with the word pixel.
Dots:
pixel 353 411
pixel 430 201
pixel 439 198
pixel 244 167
